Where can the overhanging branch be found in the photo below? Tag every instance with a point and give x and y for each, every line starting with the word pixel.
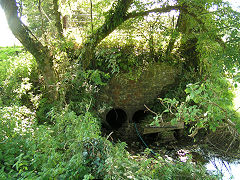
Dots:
pixel 156 10
pixel 116 16
pixel 57 14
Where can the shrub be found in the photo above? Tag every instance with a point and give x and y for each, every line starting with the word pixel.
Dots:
pixel 207 105
pixel 16 78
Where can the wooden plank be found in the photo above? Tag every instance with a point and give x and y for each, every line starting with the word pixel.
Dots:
pixel 163 127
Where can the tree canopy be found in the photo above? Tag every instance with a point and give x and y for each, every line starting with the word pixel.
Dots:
pixel 211 23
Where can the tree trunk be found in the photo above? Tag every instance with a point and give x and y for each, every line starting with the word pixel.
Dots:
pixel 31 43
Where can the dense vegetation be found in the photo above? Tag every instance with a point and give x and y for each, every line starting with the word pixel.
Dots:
pixel 50 128
pixel 66 145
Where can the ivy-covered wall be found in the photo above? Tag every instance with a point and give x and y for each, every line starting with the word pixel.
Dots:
pixel 130 93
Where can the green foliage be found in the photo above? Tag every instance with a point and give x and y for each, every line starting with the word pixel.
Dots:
pixel 207 105
pixel 43 110
pixel 46 151
pixel 128 59
pixel 122 166
pixel 96 77
pixel 228 24
pixel 182 170
pixel 69 145
pixel 40 17
pixel 15 120
pixel 16 127
pixel 73 149
pixel 15 78
pixel 82 87
pixel 7 52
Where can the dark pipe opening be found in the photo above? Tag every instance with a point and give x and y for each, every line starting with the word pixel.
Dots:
pixel 116 118
pixel 139 115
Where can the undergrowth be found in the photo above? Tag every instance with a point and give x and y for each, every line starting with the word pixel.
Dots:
pixel 69 145
pixel 73 148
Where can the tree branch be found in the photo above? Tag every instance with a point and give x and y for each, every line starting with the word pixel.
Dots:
pixel 91 12
pixel 57 14
pixel 156 10
pixel 116 16
pixel 42 22
pixel 119 15
pixel 172 40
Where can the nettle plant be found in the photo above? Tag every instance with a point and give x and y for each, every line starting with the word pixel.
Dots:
pixel 206 106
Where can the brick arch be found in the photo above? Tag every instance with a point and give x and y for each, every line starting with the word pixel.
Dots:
pixel 132 94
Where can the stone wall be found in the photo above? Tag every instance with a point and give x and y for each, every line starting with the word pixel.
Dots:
pixel 124 93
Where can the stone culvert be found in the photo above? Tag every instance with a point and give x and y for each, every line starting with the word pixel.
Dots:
pixel 127 96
